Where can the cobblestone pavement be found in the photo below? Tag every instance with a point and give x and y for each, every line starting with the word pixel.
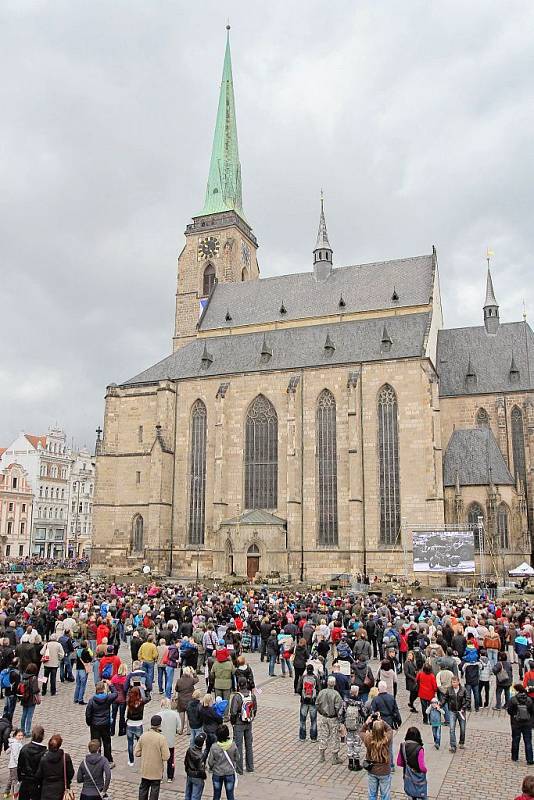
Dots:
pixel 289 770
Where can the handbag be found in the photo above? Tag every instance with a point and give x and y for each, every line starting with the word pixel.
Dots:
pixel 368 765
pixel 46 656
pixel 414 782
pixel 231 764
pixel 105 796
pixel 68 794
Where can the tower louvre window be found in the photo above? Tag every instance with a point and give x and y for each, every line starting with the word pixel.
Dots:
pixel 261 455
pixel 208 280
pixel 326 450
pixel 388 453
pixel 197 473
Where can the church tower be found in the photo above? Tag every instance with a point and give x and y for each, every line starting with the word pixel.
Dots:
pixel 491 307
pixel 220 245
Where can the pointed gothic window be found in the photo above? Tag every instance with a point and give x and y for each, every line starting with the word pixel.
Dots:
pixel 518 446
pixel 502 525
pixel 388 454
pixel 197 473
pixel 261 455
pixel 475 517
pixel 137 534
pixel 208 280
pixel 482 418
pixel 326 454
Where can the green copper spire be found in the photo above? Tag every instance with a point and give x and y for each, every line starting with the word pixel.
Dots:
pixel 223 192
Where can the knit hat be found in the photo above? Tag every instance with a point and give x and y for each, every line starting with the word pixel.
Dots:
pixel 155 722
pixel 434 701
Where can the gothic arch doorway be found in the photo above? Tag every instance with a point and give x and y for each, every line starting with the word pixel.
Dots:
pixel 253 561
pixel 229 557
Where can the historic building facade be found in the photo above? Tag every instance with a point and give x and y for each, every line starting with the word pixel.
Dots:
pixel 81 498
pixel 16 498
pixel 305 424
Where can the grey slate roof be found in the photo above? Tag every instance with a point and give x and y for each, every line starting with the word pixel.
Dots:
pixel 491 358
pixel 365 287
pixel 257 517
pixel 475 456
pixel 292 348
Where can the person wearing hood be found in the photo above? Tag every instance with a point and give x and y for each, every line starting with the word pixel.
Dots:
pixel 154 752
pixel 54 767
pixel 94 773
pixel 28 763
pixel 527 789
pixel 97 716
pixel 195 768
pixel 222 674
pixel 222 762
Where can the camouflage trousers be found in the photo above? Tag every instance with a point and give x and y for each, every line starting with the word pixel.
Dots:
pixel 354 744
pixel 329 734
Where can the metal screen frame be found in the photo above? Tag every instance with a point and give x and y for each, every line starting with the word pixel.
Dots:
pixel 197 473
pixel 389 473
pixel 261 455
pixel 326 455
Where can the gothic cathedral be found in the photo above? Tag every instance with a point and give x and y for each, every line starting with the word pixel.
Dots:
pixel 305 424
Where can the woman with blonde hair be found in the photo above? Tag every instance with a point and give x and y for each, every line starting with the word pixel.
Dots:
pixel 377 737
pixel 118 709
pixel 210 720
pixel 184 688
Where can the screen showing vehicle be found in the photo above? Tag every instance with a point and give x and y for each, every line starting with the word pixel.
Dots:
pixel 443 551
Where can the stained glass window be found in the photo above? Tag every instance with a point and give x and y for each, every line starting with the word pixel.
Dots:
pixel 518 446
pixel 502 526
pixel 197 473
pixel 388 455
pixel 473 515
pixel 326 450
pixel 261 455
pixel 137 534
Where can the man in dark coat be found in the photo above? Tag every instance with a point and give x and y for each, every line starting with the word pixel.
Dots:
pixel 521 711
pixel 29 758
pixel 97 716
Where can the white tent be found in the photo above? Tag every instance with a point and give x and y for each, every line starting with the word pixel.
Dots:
pixel 524 570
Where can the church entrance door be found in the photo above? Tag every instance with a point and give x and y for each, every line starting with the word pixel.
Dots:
pixel 253 566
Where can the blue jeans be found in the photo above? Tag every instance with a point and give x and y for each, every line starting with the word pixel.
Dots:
pixel 194 733
pixel 161 677
pixel 255 641
pixel 169 678
pixel 285 662
pixel 228 781
pixel 498 695
pixel 306 709
pixel 133 732
pixel 436 733
pixel 455 717
pixel 272 662
pixel 380 783
pixel 9 707
pixel 193 788
pixel 492 656
pixel 148 667
pixel 96 670
pixel 26 719
pixel 81 683
pixel 65 669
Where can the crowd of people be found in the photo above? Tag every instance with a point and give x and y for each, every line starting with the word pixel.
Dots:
pixel 350 657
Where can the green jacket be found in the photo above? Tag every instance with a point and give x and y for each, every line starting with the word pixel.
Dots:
pixel 221 673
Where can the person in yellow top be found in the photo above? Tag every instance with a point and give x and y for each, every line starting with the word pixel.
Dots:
pixel 148 655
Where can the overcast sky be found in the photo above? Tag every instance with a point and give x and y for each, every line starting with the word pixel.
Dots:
pixel 417 118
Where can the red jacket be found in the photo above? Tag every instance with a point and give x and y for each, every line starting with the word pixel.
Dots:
pixel 113 660
pixel 428 688
pixel 102 632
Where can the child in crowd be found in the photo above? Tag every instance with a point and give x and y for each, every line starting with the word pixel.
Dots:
pixel 436 715
pixel 16 743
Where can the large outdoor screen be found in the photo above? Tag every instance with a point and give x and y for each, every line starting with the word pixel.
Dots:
pixel 443 551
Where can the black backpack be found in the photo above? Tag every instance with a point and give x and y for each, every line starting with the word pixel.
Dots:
pixel 522 713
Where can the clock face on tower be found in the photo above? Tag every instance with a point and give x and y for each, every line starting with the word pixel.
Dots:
pixel 208 248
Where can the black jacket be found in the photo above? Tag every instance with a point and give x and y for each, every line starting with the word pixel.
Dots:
pixel 520 699
pixel 389 711
pixel 97 709
pixel 456 701
pixel 194 763
pixel 193 714
pixel 29 758
pixel 50 774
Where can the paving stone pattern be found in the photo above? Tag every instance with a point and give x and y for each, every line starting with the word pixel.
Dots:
pixel 287 769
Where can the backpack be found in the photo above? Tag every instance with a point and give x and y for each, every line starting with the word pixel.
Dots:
pixel 107 672
pixel 353 717
pixel 309 689
pixel 24 691
pixel 522 713
pixel 247 709
pixel 5 681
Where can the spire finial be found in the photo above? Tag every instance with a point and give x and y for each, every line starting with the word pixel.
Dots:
pixel 322 254
pixel 524 310
pixel 489 255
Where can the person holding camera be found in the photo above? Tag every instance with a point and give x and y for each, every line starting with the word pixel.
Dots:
pixel 377 737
